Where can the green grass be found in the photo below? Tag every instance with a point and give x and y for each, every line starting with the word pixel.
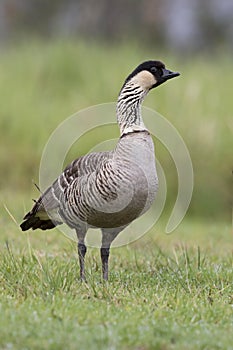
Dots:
pixel 165 291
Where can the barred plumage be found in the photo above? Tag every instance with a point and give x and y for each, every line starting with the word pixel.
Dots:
pixel 107 190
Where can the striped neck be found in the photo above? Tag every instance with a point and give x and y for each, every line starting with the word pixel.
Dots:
pixel 128 110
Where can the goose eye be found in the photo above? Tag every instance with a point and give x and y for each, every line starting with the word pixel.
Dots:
pixel 153 69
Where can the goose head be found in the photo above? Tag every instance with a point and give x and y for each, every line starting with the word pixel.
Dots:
pixel 149 75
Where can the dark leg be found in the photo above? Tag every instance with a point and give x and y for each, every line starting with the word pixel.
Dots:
pixel 81 254
pixel 82 249
pixel 108 235
pixel 104 252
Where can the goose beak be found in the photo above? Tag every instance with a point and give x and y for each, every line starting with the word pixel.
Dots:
pixel 167 74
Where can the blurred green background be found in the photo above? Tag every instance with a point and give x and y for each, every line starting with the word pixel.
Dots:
pixel 60 57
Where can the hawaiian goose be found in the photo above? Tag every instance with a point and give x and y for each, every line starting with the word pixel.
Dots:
pixel 107 190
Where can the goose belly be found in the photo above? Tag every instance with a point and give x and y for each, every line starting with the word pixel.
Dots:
pixel 134 195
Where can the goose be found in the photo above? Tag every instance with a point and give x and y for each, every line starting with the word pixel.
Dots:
pixel 107 190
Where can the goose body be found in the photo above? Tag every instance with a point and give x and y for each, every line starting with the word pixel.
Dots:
pixel 107 190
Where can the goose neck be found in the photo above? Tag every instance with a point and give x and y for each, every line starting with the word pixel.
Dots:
pixel 129 103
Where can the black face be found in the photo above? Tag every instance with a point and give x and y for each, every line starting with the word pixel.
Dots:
pixel 156 68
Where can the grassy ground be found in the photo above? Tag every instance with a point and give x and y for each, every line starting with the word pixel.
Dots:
pixel 165 291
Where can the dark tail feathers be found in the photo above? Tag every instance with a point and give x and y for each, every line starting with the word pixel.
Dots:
pixel 35 222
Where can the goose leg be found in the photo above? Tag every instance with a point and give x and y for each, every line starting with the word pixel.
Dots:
pixel 104 252
pixel 82 249
pixel 108 235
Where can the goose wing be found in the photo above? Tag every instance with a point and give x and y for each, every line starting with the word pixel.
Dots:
pixel 48 204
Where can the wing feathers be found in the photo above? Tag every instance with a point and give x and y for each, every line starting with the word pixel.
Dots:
pixel 45 212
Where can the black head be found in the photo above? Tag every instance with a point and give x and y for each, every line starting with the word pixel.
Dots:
pixel 151 74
